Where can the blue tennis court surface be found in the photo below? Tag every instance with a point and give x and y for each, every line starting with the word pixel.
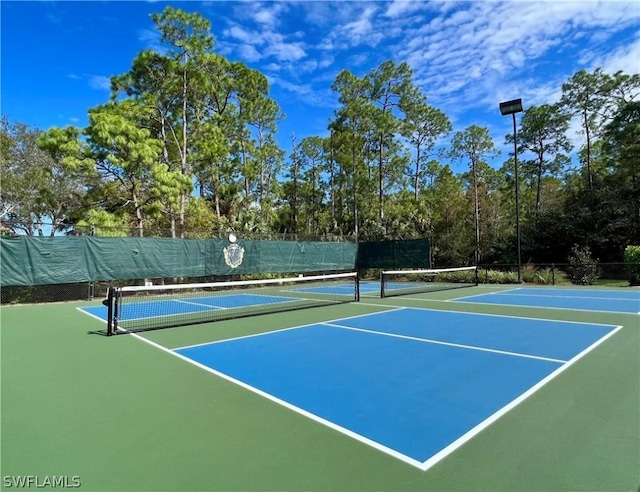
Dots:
pixel 171 307
pixel 580 299
pixel 365 288
pixel 413 383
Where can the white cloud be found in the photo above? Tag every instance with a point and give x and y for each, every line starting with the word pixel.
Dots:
pixel 465 55
pixel 625 58
pixel 273 67
pixel 263 43
pixel 100 82
pixel 241 34
pixel 265 16
pixel 305 91
pixel 248 53
pixel 151 40
pixel 283 51
pixel 399 8
pixel 481 50
pixel 358 31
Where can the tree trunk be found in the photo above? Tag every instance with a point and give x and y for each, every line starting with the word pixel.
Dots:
pixel 183 154
pixel 539 186
pixel 477 213
pixel 416 182
pixel 381 179
pixel 356 230
pixel 587 134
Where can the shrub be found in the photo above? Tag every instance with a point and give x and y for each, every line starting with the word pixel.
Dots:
pixel 529 273
pixel 545 276
pixel 498 277
pixel 583 268
pixel 632 264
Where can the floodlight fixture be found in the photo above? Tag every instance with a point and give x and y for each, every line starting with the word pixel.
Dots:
pixel 511 108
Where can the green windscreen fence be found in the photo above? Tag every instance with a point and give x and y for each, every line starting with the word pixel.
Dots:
pixel 411 253
pixel 58 260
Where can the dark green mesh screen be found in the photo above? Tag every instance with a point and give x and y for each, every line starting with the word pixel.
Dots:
pixel 59 260
pixel 410 253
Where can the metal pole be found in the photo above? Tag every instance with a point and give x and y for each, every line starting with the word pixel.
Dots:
pixel 515 160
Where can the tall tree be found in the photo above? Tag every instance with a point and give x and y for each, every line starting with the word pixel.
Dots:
pixel 452 240
pixel 350 130
pixel 187 37
pixel 543 132
pixel 36 187
pixel 622 144
pixel 123 153
pixel 475 145
pixel 311 158
pixel 582 96
pixel 389 88
pixel 423 125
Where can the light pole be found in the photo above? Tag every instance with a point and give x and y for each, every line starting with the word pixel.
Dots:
pixel 512 107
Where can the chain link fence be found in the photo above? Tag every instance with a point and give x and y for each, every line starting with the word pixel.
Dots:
pixel 88 291
pixel 603 274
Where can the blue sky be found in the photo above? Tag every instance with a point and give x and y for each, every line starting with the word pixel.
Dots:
pixel 57 57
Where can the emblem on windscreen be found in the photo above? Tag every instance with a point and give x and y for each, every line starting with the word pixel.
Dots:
pixel 233 254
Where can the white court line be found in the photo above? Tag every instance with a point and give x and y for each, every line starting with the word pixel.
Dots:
pixel 195 304
pixel 380 447
pixel 247 294
pixel 211 308
pixel 309 415
pixel 92 315
pixel 488 314
pixel 398 308
pixel 449 344
pixel 317 290
pixel 461 301
pixel 527 306
pixel 550 288
pixel 490 420
pixel 566 297
pixel 488 293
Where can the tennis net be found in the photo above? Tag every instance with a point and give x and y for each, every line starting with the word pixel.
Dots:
pixel 403 282
pixel 142 308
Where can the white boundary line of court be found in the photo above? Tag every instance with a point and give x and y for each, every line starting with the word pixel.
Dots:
pixel 565 297
pixel 216 308
pixel 526 307
pixel 559 288
pixel 394 308
pixel 448 344
pixel 82 310
pixel 512 292
pixel 209 306
pixel 424 466
pixel 506 291
pixel 457 300
pixel 487 314
pixel 268 396
pixel 490 420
